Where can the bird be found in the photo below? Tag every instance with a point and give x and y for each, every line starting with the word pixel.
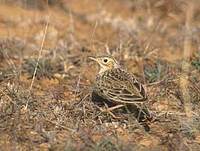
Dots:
pixel 115 85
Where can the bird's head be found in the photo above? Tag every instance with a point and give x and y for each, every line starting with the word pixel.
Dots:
pixel 105 63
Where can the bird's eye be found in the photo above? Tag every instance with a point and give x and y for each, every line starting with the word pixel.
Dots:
pixel 105 60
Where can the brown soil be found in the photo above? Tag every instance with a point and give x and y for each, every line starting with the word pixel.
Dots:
pixel 158 41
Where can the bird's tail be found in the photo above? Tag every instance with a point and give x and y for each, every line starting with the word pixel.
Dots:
pixel 141 112
pixel 144 114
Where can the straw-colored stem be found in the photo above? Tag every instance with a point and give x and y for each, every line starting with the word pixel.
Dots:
pixel 187 52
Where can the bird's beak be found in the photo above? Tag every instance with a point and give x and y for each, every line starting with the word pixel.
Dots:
pixel 94 59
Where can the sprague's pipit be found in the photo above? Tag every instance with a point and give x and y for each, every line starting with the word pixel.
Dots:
pixel 116 85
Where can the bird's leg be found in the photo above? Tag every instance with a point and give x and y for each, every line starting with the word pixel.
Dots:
pixel 108 110
pixel 139 114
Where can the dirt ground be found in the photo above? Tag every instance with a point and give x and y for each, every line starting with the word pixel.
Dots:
pixel 46 77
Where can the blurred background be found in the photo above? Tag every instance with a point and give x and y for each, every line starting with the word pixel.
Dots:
pixel 46 78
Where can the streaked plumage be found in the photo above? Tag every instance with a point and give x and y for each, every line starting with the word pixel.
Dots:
pixel 118 86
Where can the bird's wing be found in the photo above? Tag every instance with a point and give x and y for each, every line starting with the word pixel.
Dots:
pixel 123 88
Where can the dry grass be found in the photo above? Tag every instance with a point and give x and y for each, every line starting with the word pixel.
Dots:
pixel 157 40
